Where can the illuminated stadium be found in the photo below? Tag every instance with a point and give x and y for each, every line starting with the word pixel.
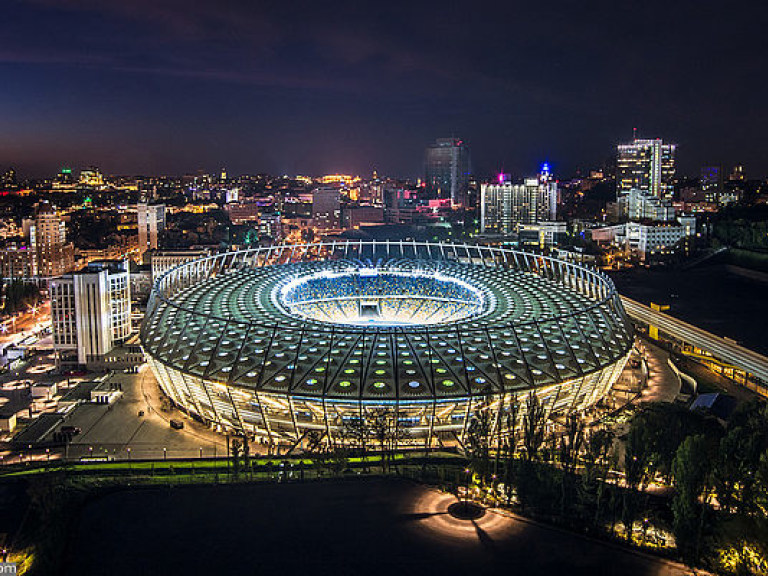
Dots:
pixel 291 341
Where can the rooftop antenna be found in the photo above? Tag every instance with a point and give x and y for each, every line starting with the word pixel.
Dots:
pixel 634 133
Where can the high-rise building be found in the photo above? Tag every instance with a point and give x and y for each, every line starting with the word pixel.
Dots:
pixel 448 167
pixel 151 224
pixel 646 165
pixel 737 174
pixel 504 205
pixel 326 208
pixel 549 195
pixel 712 183
pixel 90 312
pixel 17 262
pixel 48 238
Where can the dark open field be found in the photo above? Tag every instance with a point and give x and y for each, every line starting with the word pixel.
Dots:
pixel 367 527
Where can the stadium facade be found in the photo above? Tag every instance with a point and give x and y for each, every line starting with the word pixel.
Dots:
pixel 325 340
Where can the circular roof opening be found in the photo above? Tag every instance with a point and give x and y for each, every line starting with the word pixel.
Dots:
pixel 380 297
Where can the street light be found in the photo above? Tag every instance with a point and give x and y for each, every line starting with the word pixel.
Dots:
pixel 165 453
pixel 466 490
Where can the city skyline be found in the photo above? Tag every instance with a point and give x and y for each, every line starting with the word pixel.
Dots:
pixel 158 88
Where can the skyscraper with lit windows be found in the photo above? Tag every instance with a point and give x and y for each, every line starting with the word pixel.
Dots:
pixel 151 220
pixel 448 166
pixel 646 164
pixel 48 238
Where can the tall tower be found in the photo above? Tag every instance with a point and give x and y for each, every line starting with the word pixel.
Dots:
pixel 504 205
pixel 48 238
pixel 151 224
pixel 448 166
pixel 647 165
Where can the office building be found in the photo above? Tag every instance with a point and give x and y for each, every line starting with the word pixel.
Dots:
pixel 243 212
pixel 505 206
pixel 17 262
pixel 326 208
pixel 160 261
pixel 151 225
pixel 270 225
pixel 448 167
pixel 651 241
pixel 647 165
pixel 543 234
pixel 712 182
pixel 549 195
pixel 48 238
pixel 639 205
pixel 90 312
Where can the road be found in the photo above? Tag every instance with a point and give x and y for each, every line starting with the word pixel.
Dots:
pixel 725 350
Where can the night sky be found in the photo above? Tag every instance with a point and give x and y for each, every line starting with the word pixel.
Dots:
pixel 175 86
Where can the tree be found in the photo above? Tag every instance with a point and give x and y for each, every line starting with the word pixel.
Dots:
pixel 590 495
pixel 384 428
pixel 510 447
pixel 690 471
pixel 529 484
pixel 744 444
pixel 235 453
pixel 570 445
pixel 479 441
pixel 636 471
pixel 533 427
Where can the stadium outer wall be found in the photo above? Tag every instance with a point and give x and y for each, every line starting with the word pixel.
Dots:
pixel 221 369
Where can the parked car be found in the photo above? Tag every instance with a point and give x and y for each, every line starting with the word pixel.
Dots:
pixel 177 424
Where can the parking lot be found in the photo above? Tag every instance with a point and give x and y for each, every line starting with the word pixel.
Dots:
pixel 136 427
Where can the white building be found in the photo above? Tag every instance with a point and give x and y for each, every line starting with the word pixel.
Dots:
pixel 640 205
pixel 90 312
pixel 646 241
pixel 505 206
pixel 151 223
pixel 161 261
pixel 543 234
